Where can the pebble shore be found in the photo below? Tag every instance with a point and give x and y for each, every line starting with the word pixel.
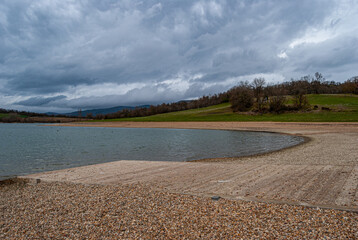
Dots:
pixel 77 211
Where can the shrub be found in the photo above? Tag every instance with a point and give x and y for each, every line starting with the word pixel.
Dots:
pixel 258 87
pixel 300 101
pixel 277 104
pixel 242 99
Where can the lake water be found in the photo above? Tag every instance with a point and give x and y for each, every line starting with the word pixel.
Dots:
pixel 30 148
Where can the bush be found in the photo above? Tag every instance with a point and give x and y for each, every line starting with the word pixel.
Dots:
pixel 277 104
pixel 242 99
pixel 300 101
pixel 11 118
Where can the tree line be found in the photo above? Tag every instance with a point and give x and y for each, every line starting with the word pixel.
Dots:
pixel 18 116
pixel 259 97
pixel 204 101
pixel 14 116
pixel 256 96
pixel 30 114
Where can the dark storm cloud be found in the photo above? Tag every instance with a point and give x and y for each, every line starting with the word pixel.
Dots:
pixel 154 51
pixel 43 82
pixel 39 101
pixel 329 55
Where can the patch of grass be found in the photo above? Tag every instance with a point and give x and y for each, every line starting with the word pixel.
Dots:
pixel 2 115
pixel 330 100
pixel 223 112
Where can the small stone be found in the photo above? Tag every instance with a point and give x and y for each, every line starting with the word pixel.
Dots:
pixel 215 198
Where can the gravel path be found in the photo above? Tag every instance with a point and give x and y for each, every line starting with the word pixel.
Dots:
pixel 77 211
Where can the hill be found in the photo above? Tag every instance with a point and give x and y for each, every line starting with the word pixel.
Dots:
pixel 15 117
pixel 324 108
pixel 95 112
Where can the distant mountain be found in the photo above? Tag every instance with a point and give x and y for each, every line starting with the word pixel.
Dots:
pixel 98 111
pixel 52 113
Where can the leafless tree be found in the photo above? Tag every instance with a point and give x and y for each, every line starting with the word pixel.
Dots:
pixel 242 98
pixel 258 87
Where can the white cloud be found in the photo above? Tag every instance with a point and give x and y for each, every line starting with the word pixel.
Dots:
pixel 342 21
pixel 154 10
pixel 102 89
pixel 313 36
pixel 282 55
pixel 206 9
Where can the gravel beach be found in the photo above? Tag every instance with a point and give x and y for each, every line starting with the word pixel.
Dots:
pixel 159 200
pixel 77 211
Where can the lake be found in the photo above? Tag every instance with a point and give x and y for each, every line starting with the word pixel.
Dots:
pixel 30 148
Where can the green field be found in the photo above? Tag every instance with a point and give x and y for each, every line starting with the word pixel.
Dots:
pixel 9 115
pixel 343 108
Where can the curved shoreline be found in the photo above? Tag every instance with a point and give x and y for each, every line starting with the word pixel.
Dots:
pixel 309 131
pixel 306 139
pixel 283 128
pixel 202 153
pixel 238 158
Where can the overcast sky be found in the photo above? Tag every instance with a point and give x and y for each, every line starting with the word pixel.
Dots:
pixel 61 55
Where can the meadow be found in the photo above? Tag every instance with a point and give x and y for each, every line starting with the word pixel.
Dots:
pixel 11 115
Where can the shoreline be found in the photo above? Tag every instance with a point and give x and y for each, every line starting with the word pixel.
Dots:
pixel 209 159
pixel 328 150
pixel 283 128
pixel 306 139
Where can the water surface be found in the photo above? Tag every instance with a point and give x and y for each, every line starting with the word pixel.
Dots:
pixel 29 148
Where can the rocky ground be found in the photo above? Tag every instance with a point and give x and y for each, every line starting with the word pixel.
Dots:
pixel 78 211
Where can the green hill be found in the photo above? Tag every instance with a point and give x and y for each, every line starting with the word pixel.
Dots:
pixel 11 115
pixel 336 108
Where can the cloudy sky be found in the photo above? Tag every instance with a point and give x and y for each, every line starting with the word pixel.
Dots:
pixel 61 55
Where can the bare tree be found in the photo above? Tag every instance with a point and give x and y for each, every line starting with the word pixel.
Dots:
pixel 242 98
pixel 350 86
pixel 277 100
pixel 89 115
pixel 258 86
pixel 300 100
pixel 316 82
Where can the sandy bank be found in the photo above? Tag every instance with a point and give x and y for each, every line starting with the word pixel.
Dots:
pixel 322 172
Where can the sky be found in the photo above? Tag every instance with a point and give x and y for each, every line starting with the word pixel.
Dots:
pixel 62 55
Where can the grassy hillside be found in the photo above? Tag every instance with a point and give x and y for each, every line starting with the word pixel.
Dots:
pixel 4 115
pixel 21 118
pixel 342 108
